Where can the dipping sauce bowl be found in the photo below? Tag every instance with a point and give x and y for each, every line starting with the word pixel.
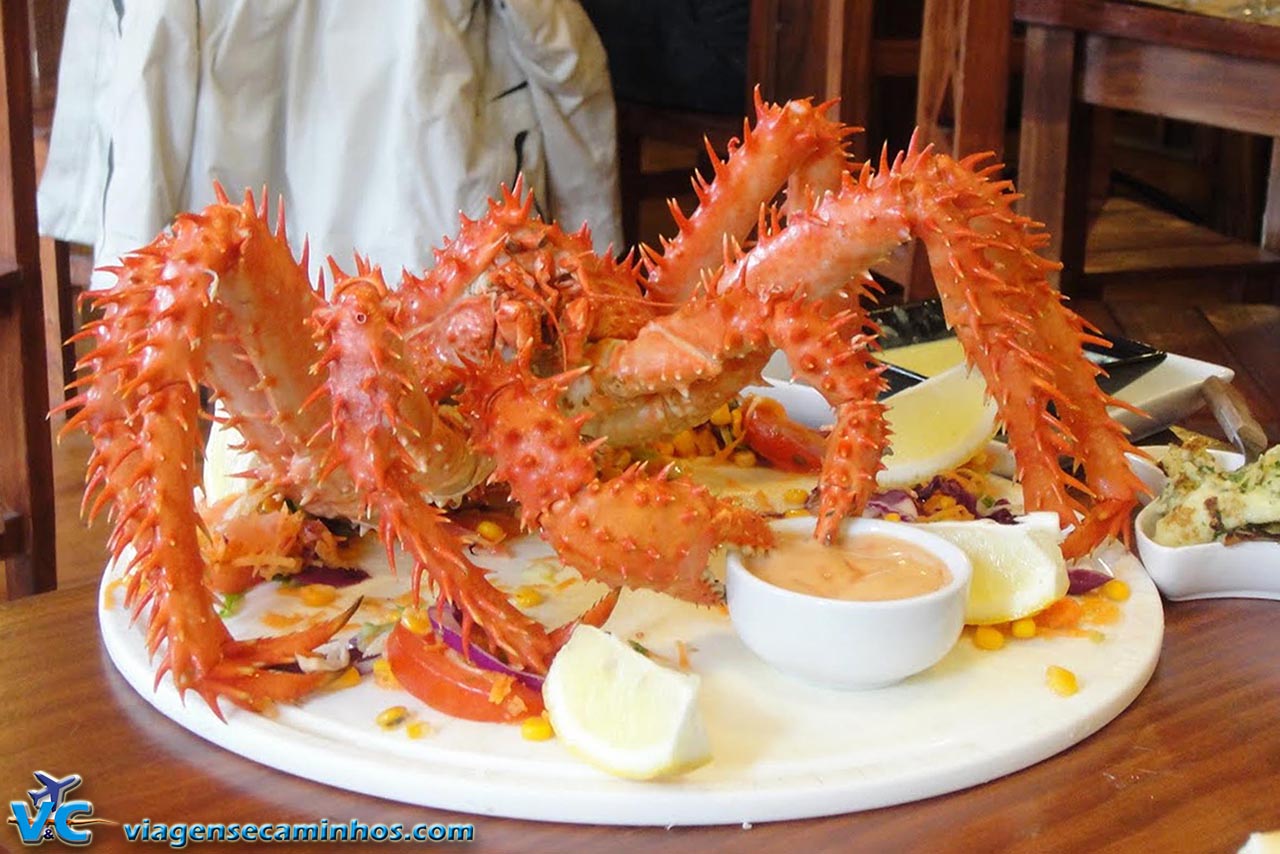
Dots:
pixel 850 644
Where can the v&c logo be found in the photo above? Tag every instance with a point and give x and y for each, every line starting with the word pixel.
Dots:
pixel 50 815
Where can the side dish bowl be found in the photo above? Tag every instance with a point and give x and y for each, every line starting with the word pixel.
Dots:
pixel 1248 570
pixel 850 644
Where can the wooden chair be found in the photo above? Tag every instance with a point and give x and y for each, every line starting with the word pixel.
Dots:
pixel 1087 57
pixel 829 49
pixel 824 49
pixel 27 543
pixel 966 56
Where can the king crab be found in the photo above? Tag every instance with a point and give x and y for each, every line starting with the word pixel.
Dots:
pixel 521 351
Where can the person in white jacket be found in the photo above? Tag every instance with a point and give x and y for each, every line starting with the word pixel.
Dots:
pixel 378 123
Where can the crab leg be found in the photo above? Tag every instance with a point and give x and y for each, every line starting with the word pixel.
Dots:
pixel 639 529
pixel 141 404
pixel 1014 328
pixel 372 439
pixel 791 145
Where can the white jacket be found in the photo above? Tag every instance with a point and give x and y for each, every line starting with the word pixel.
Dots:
pixel 377 121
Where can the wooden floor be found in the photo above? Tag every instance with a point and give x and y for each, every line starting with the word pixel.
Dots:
pixel 1159 309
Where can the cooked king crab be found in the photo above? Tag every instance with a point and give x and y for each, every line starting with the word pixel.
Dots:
pixel 520 350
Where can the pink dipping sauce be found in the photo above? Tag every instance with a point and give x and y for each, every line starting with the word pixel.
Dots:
pixel 864 567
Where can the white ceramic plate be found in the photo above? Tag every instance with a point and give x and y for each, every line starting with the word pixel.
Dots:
pixel 782 749
pixel 1208 570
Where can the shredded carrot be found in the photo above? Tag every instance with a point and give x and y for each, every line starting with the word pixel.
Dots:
pixel 1063 614
pixel 263 559
pixel 501 688
pixel 682 654
pixel 939 507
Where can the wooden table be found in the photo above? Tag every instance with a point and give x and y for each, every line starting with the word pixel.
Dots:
pixel 1192 765
pixel 1087 54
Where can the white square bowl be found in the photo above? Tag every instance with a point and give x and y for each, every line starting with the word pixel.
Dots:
pixel 1249 570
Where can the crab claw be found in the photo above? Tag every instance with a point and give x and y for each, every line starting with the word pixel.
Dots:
pixel 639 529
pixel 643 530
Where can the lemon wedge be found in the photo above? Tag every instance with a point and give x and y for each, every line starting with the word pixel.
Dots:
pixel 622 712
pixel 936 425
pixel 1018 570
pixel 223 458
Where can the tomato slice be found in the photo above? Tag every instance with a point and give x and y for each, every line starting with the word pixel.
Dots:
pixel 435 674
pixel 786 444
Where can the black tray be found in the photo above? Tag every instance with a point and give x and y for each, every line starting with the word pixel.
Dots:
pixel 915 323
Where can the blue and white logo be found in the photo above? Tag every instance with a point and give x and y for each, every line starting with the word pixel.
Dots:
pixel 50 815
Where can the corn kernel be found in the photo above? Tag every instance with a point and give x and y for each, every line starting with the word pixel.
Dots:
pixel 795 512
pixel 722 417
pixel 736 424
pixel 1024 628
pixel 684 443
pixel 796 496
pixel 706 442
pixel 391 717
pixel 491 531
pixel 416 621
pixel 418 729
pixel 1061 680
pixel 383 677
pixel 536 729
pixel 988 638
pixel 744 459
pixel 348 678
pixel 893 517
pixel 1116 590
pixel 528 597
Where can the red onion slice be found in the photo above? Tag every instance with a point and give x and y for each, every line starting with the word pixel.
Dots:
pixel 445 623
pixel 892 501
pixel 1082 580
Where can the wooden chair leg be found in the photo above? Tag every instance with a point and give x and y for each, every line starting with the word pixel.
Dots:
pixel 59 315
pixel 857 81
pixel 1056 144
pixel 981 84
pixel 937 67
pixel 1271 214
pixel 28 541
